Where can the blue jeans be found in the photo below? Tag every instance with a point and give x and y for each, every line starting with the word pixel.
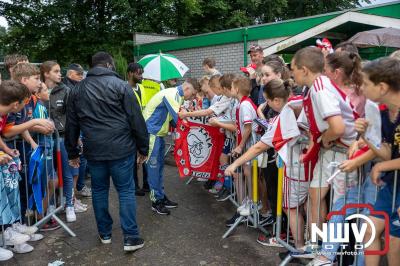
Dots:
pixel 121 172
pixel 82 174
pixel 368 192
pixel 68 175
pixel 155 168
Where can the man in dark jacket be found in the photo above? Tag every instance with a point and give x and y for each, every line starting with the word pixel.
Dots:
pixel 105 109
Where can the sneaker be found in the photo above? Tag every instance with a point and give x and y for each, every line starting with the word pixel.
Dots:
pixel 220 192
pixel 246 211
pixel 81 203
pixel 132 244
pixel 105 239
pixel 5 254
pixel 320 262
pixel 85 192
pixel 244 205
pixel 169 204
pixel 12 237
pixel 24 229
pixel 70 213
pixel 214 191
pixel 268 241
pixel 79 208
pixel 51 225
pixel 35 237
pixel 160 208
pixel 225 195
pixel 305 252
pixel 266 220
pixel 283 255
pixel 202 179
pixel 139 192
pixel 22 248
pixel 232 220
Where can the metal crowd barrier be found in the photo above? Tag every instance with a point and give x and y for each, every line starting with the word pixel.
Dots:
pixel 304 214
pixel 35 211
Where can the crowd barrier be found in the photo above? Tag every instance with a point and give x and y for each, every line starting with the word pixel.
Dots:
pixel 41 182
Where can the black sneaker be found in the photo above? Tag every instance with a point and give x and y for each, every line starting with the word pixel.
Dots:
pixel 160 208
pixel 232 220
pixel 266 220
pixel 132 244
pixel 224 196
pixel 220 192
pixel 169 204
pixel 105 239
pixel 139 192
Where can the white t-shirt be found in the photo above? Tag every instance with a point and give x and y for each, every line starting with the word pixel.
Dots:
pixel 328 100
pixel 221 105
pixel 247 114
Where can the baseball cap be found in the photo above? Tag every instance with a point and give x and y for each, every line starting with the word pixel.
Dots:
pixel 255 48
pixel 76 67
pixel 244 69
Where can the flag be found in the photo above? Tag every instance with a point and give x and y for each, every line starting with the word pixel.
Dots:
pixel 198 147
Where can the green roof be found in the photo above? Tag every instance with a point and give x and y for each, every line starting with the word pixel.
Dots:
pixel 259 32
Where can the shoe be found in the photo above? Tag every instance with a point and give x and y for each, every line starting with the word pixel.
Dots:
pixel 306 252
pixel 70 213
pixel 283 255
pixel 132 244
pixel 160 208
pixel 319 262
pixel 51 225
pixel 266 220
pixel 105 239
pixel 81 203
pixel 232 220
pixel 225 195
pixel 22 248
pixel 220 192
pixel 146 188
pixel 5 254
pixel 246 211
pixel 214 191
pixel 139 192
pixel 268 241
pixel 24 229
pixel 35 237
pixel 78 207
pixel 12 237
pixel 202 179
pixel 244 205
pixel 85 192
pixel 169 204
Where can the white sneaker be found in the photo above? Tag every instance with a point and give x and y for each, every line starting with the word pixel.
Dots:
pixel 70 213
pixel 85 192
pixel 24 229
pixel 22 248
pixel 78 208
pixel 202 179
pixel 81 203
pixel 244 205
pixel 12 237
pixel 246 210
pixel 319 262
pixel 5 254
pixel 35 237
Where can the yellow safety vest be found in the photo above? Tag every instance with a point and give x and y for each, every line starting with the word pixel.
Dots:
pixel 150 88
pixel 141 97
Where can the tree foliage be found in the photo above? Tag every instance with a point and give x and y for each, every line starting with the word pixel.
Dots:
pixel 72 30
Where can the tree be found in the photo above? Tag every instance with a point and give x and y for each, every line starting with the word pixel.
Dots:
pixel 72 30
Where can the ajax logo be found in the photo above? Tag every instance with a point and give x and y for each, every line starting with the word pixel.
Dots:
pixel 340 232
pixel 199 142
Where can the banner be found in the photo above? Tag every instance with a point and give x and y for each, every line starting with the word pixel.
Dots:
pixel 198 147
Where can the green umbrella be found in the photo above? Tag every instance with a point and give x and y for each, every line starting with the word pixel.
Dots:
pixel 162 67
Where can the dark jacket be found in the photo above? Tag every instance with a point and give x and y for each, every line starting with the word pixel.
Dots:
pixel 69 82
pixel 58 103
pixel 255 90
pixel 105 109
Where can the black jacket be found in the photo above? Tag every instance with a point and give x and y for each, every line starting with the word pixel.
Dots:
pixel 69 82
pixel 58 103
pixel 255 90
pixel 105 109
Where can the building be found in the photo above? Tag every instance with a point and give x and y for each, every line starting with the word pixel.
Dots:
pixel 229 47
